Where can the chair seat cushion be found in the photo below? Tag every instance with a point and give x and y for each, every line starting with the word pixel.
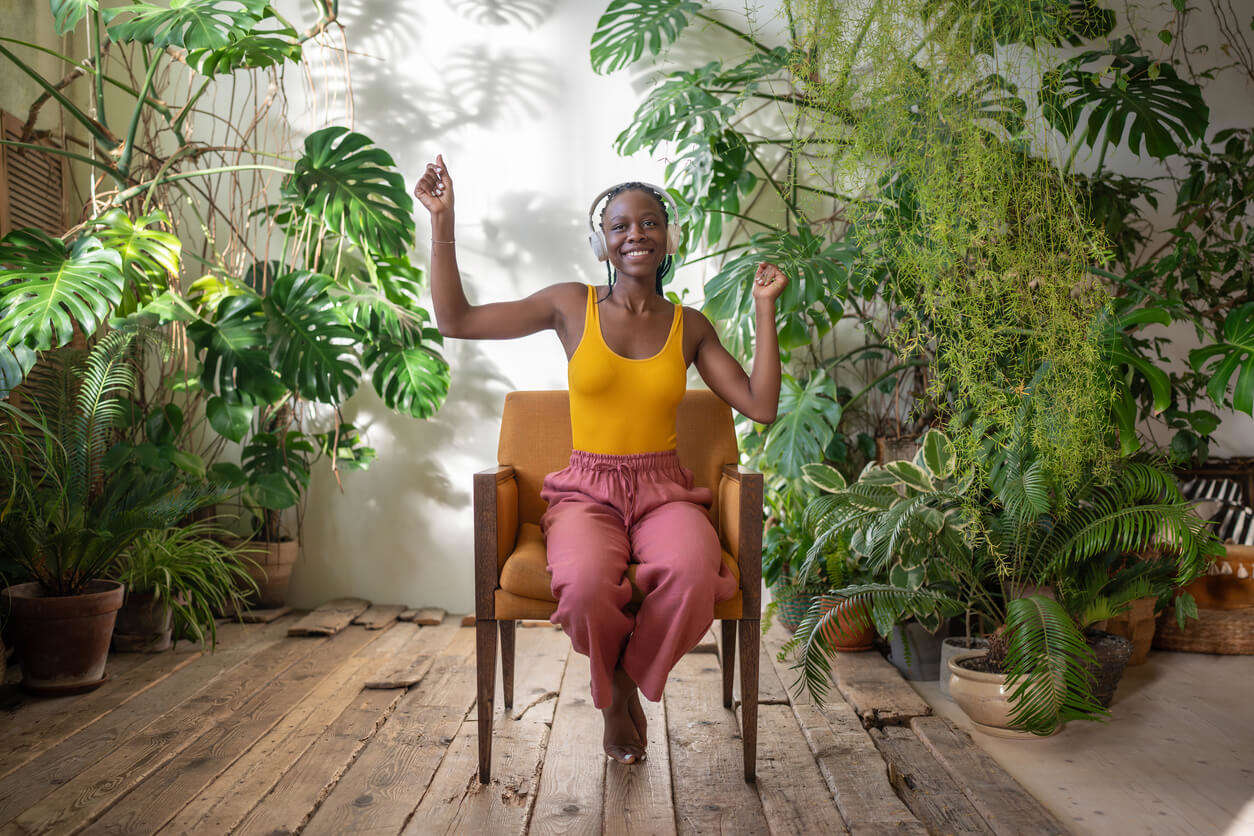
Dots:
pixel 526 570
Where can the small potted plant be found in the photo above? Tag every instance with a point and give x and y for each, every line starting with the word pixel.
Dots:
pixel 68 519
pixel 175 579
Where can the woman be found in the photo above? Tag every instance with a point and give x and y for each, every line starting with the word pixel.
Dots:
pixel 625 496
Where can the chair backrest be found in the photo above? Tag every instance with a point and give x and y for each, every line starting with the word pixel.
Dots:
pixel 535 441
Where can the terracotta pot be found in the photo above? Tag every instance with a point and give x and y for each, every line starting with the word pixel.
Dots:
pixel 1137 624
pixel 895 449
pixel 275 572
pixel 845 633
pixel 144 625
pixel 983 697
pixel 63 641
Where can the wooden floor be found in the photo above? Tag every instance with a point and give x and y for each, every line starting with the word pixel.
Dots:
pixel 275 733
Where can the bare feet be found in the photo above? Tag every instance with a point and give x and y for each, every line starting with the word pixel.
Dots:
pixel 625 730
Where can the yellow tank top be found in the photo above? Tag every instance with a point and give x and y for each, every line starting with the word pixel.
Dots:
pixel 618 405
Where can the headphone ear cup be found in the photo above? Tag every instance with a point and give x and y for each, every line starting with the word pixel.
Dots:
pixel 597 241
pixel 674 234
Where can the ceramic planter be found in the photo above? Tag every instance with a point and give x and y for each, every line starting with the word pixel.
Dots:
pixel 983 697
pixel 144 625
pixel 63 641
pixel 847 633
pixel 950 648
pixel 916 652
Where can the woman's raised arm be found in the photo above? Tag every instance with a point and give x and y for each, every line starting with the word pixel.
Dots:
pixel 454 315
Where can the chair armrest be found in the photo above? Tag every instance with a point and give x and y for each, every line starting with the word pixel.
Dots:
pixel 740 530
pixel 496 531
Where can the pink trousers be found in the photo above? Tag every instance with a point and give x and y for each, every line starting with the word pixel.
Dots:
pixel 607 511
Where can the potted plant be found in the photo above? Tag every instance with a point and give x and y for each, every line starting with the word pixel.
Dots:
pixel 68 519
pixel 950 545
pixel 175 579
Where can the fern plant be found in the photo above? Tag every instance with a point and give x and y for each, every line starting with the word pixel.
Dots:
pixel 943 544
pixel 67 518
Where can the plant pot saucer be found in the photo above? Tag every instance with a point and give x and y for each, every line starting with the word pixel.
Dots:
pixel 63 690
pixel 1009 734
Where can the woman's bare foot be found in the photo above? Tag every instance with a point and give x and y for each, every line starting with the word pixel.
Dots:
pixel 622 741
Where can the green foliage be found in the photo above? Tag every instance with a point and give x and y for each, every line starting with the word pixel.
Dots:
pixel 68 13
pixel 350 185
pixel 190 24
pixel 49 288
pixel 310 346
pixel 1233 360
pixel 628 28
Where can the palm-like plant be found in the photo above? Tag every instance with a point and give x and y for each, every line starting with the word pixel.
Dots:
pixel 944 544
pixel 67 518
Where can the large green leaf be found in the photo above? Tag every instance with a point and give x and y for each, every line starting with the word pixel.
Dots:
pixel 190 24
pixel 46 289
pixel 352 186
pixel 807 418
pixel 410 380
pixel 15 362
pixel 67 13
pixel 630 27
pixel 678 108
pixel 1047 667
pixel 311 346
pixel 236 361
pixel 252 51
pixel 277 467
pixel 387 306
pixel 1234 361
pixel 150 255
pixel 1161 113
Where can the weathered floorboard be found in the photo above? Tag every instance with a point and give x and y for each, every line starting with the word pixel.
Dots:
pixel 378 616
pixel 41 776
pixel 229 797
pixel 1007 808
pixel 456 802
pixel 159 797
pixel 876 690
pixel 925 785
pixel 423 616
pixel 638 797
pixel 409 662
pixel 330 618
pixel 381 788
pixel 707 770
pixel 572 785
pixel 84 797
pixel 848 760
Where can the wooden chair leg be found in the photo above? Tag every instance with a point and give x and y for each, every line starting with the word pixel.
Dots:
pixel 729 659
pixel 507 661
pixel 485 662
pixel 750 638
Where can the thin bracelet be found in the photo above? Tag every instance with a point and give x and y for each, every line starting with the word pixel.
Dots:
pixel 433 241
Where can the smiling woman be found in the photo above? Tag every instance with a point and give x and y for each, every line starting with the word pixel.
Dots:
pixel 625 496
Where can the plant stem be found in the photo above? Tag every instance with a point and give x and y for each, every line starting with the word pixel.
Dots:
pixel 123 196
pixel 128 148
pixel 758 45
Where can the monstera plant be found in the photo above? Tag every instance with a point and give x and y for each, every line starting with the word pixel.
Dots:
pixel 290 296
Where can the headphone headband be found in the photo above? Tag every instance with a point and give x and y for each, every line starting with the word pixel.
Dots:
pixel 673 229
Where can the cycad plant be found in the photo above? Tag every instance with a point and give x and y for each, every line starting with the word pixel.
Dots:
pixel 67 519
pixel 943 543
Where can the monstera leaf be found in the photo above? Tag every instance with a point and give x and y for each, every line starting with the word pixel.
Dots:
pixel 310 345
pixel 15 362
pixel 1161 112
pixel 678 108
pixel 351 185
pixel 410 380
pixel 1233 356
pixel 277 468
pixel 46 289
pixel 67 13
pixel 387 306
pixel 236 362
pixel 190 24
pixel 150 256
pixel 630 27
pixel 1136 373
pixel 808 415
pixel 252 51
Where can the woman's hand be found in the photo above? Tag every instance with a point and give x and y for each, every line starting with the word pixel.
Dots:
pixel 768 283
pixel 435 188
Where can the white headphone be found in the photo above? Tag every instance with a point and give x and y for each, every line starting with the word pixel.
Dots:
pixel 674 232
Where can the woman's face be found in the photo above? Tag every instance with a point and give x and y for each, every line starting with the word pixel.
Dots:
pixel 635 234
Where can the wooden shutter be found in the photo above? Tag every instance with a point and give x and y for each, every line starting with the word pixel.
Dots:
pixel 32 185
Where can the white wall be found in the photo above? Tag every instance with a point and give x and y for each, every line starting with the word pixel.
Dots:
pixel 505 91
pixel 526 129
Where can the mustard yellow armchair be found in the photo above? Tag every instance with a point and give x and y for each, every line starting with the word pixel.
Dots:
pixel 511 570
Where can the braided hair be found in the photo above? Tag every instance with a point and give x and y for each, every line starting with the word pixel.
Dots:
pixel 635 186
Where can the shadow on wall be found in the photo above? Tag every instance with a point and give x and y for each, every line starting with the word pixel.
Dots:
pixel 400 505
pixel 527 13
pixel 404 93
pixel 529 229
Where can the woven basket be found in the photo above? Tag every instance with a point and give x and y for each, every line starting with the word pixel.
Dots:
pixel 793 603
pixel 1213 631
